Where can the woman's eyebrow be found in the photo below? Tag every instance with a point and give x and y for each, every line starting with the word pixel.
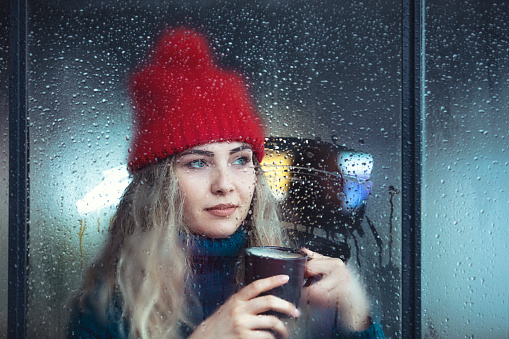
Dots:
pixel 211 154
pixel 197 151
pixel 241 148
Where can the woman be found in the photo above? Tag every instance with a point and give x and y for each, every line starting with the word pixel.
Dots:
pixel 198 198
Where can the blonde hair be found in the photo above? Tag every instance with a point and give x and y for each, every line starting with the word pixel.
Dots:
pixel 145 261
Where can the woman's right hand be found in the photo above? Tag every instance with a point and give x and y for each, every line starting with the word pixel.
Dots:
pixel 240 316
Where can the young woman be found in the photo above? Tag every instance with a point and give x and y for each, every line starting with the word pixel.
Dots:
pixel 171 267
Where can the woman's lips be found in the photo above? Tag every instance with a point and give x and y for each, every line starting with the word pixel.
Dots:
pixel 222 210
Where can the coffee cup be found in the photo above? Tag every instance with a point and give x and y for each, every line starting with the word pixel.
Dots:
pixel 267 261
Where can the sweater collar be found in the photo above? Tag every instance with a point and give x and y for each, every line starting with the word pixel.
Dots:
pixel 200 246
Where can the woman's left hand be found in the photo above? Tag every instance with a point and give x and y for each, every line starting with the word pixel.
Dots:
pixel 335 286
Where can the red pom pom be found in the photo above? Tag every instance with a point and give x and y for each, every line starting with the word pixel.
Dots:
pixel 183 48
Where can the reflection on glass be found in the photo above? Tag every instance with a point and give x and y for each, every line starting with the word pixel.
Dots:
pixel 323 71
pixel 107 193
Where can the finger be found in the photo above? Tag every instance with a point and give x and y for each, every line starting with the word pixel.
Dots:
pixel 269 323
pixel 273 303
pixel 328 285
pixel 311 254
pixel 317 267
pixel 262 285
pixel 312 279
pixel 324 266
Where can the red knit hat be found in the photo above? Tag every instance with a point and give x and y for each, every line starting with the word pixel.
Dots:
pixel 182 99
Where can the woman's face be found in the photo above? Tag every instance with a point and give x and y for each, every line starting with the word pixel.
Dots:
pixel 218 182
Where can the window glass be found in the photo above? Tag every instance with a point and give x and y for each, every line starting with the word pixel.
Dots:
pixel 327 72
pixel 464 234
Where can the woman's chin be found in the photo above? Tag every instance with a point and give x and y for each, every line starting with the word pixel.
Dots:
pixel 217 231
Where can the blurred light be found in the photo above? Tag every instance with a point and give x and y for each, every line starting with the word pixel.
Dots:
pixel 355 168
pixel 355 164
pixel 107 193
pixel 354 195
pixel 276 166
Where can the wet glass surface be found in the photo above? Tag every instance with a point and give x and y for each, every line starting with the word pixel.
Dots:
pixel 465 170
pixel 326 79
pixel 325 72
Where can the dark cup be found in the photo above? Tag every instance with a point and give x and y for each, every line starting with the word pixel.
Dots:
pixel 268 261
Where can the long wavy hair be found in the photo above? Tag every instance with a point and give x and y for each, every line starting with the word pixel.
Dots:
pixel 145 262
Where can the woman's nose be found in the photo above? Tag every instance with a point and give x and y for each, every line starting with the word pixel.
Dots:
pixel 222 182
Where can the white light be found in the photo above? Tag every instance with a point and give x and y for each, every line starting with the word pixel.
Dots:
pixel 355 164
pixel 108 192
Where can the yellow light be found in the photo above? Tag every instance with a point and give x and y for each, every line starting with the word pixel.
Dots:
pixel 277 167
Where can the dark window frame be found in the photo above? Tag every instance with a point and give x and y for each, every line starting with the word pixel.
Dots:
pixel 18 172
pixel 412 80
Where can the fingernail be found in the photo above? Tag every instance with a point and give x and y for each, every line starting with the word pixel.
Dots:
pixel 296 313
pixel 284 278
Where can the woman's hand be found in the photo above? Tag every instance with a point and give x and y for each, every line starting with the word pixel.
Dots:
pixel 335 286
pixel 239 316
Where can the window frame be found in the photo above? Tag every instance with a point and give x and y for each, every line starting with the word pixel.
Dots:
pixel 18 173
pixel 412 98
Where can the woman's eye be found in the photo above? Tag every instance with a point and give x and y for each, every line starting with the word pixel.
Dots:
pixel 241 161
pixel 200 163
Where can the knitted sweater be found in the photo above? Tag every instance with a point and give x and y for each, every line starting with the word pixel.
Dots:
pixel 214 265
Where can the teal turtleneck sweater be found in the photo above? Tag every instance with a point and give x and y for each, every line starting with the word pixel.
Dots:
pixel 214 264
